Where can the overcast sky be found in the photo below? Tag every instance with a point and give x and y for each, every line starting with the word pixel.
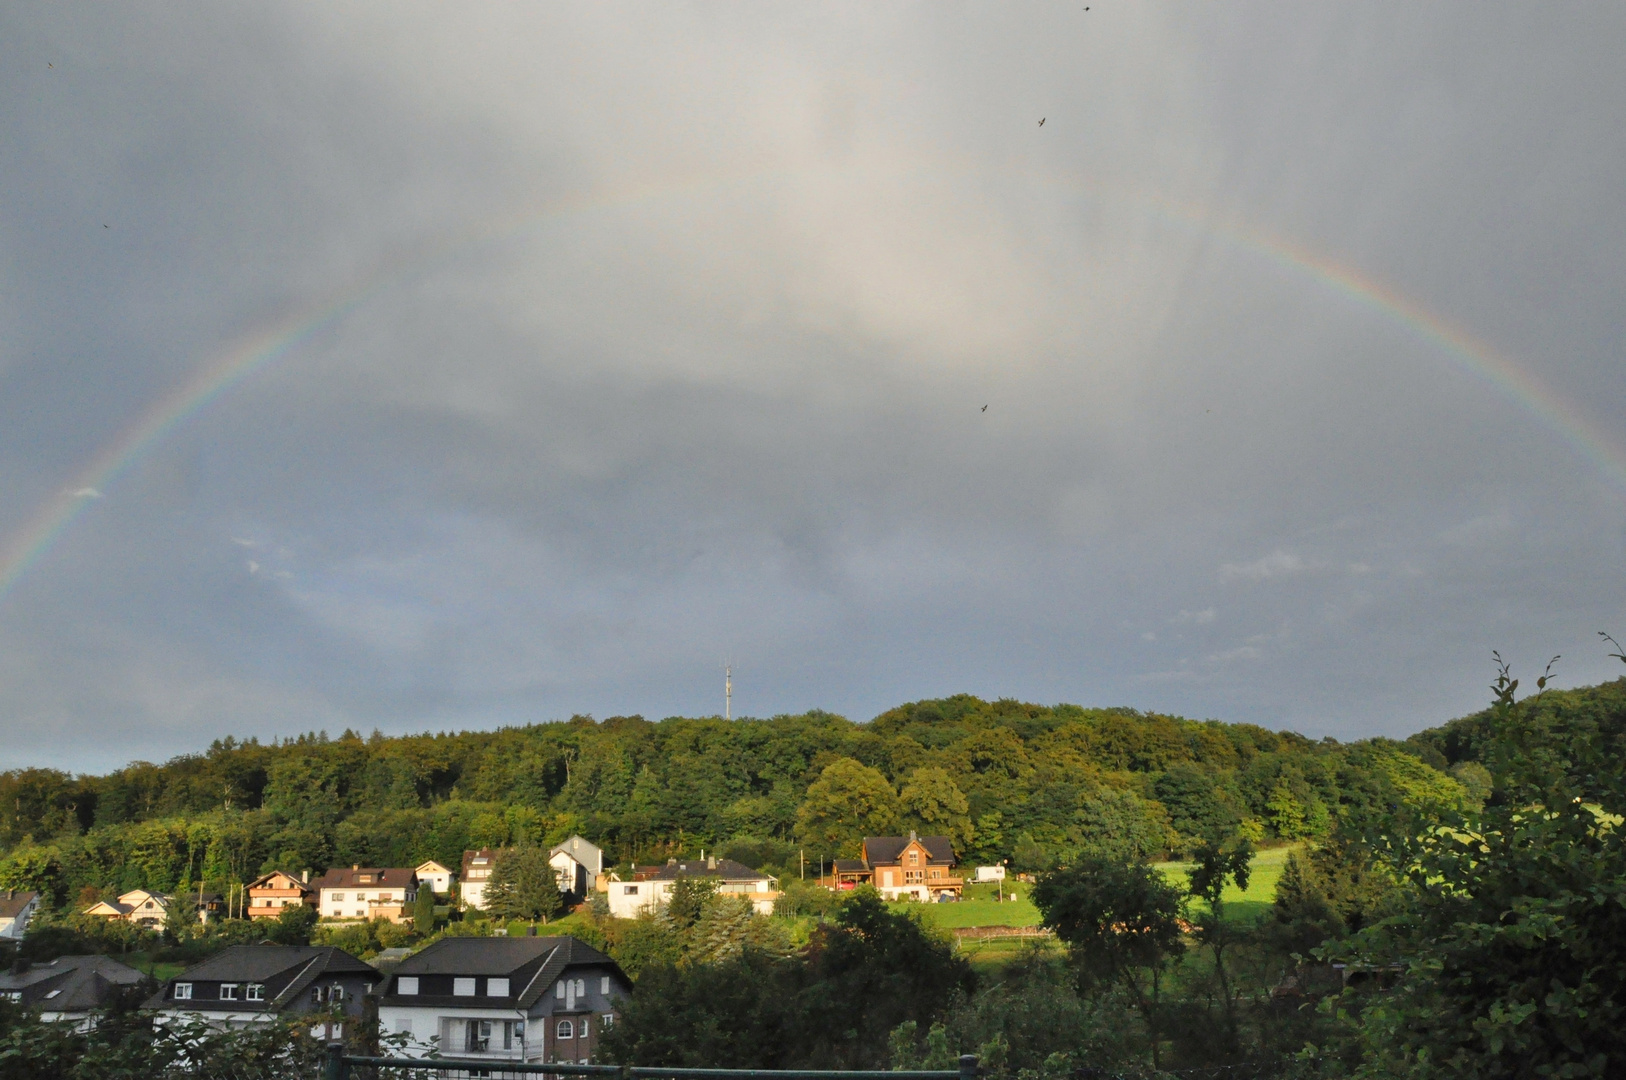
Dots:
pixel 630 340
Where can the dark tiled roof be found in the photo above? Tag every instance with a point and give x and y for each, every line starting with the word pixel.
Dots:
pixel 727 869
pixel 850 866
pixel 488 854
pixel 77 983
pixel 295 966
pixel 386 877
pixel 12 903
pixel 511 957
pixel 884 850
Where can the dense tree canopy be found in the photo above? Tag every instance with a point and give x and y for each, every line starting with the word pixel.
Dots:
pixel 1059 780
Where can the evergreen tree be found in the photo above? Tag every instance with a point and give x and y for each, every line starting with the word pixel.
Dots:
pixel 523 886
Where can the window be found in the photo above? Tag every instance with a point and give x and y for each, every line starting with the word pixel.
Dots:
pixel 565 1030
pixel 228 991
pixel 477 1036
pixel 914 858
pixel 559 989
pixel 52 994
pixel 604 984
pixel 497 988
pixel 582 1028
pixel 936 873
pixel 335 994
pixel 406 984
pixel 629 890
pixel 318 995
pixel 256 992
pixel 607 1020
pixel 338 897
pixel 462 987
pixel 183 991
pixel 12 995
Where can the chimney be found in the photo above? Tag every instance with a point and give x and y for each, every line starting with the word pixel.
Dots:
pixel 305 877
pixel 912 836
pixel 711 863
pixel 355 866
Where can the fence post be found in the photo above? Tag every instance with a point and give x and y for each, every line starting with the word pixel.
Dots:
pixel 336 1068
pixel 968 1067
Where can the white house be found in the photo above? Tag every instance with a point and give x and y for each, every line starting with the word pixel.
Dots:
pixel 16 908
pixel 248 984
pixel 139 906
pixel 367 892
pixel 514 998
pixel 471 883
pixel 436 877
pixel 578 864
pixel 651 885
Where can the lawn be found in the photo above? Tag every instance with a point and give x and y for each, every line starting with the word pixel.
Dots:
pixel 1261 892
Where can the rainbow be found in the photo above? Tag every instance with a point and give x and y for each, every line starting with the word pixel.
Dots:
pixel 218 376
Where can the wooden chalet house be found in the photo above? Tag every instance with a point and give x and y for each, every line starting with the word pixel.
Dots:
pixel 269 893
pixel 909 867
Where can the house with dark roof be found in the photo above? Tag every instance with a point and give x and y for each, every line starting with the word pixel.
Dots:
pixel 513 998
pixel 909 867
pixel 249 984
pixel 367 893
pixel 69 988
pixel 16 908
pixel 651 886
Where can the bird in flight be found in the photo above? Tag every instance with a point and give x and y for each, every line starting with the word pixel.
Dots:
pixel 985 408
pixel 105 225
pixel 1041 121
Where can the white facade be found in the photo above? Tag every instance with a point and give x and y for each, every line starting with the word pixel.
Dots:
pixel 13 923
pixel 629 899
pixel 436 876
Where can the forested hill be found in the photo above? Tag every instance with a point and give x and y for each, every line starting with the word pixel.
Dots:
pixel 1031 783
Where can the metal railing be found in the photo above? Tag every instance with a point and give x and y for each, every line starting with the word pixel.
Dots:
pixel 342 1066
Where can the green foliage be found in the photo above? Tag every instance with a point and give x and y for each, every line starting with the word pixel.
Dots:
pixel 293 925
pixel 523 886
pixel 688 899
pixel 1122 925
pixel 1512 931
pixel 750 1005
pixel 847 802
pixel 423 910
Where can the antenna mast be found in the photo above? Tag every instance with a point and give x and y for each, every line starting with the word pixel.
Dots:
pixel 728 691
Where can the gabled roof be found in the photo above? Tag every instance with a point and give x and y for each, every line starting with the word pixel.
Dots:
pixel 108 907
pixel 12 903
pixel 504 956
pixel 885 850
pixel 583 851
pixel 71 983
pixel 302 964
pixel 488 854
pixel 726 869
pixel 432 866
pixel 264 881
pixel 385 877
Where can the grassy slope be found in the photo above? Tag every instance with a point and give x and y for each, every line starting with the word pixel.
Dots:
pixel 1261 891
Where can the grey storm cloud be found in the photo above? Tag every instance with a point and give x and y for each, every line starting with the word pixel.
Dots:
pixel 529 360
